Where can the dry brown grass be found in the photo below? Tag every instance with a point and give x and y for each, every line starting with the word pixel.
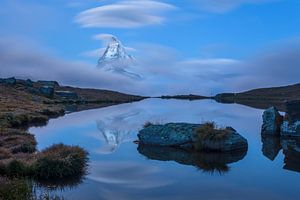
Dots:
pixel 21 107
pixel 59 161
pixel 4 153
pixel 147 124
pixel 209 131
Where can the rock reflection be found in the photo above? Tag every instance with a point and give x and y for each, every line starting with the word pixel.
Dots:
pixel 291 151
pixel 271 146
pixel 290 147
pixel 209 162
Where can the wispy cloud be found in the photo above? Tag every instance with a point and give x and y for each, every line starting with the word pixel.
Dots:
pixel 105 39
pixel 277 66
pixel 211 61
pixel 97 53
pixel 223 6
pixel 163 69
pixel 125 14
pixel 24 60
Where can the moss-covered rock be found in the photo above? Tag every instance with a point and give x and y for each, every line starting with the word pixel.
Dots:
pixel 201 137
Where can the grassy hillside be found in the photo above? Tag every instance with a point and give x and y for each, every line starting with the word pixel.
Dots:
pixel 263 97
pixel 26 103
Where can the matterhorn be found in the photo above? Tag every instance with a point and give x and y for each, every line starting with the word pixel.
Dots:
pixel 116 59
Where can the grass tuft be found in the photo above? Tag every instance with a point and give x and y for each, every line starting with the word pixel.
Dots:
pixel 4 153
pixel 17 168
pixel 209 131
pixel 15 189
pixel 147 124
pixel 61 161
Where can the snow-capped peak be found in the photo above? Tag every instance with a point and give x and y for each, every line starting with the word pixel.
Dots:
pixel 115 51
pixel 116 59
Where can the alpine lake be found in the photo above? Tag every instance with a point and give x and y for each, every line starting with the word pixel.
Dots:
pixel 119 169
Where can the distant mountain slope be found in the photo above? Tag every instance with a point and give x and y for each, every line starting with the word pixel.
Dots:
pixel 185 97
pixel 263 97
pixel 284 93
pixel 21 96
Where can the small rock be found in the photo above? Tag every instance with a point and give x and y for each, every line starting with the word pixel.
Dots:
pixel 290 128
pixel 29 83
pixel 67 94
pixel 47 91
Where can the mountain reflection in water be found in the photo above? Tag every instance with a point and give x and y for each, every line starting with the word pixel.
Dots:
pixel 115 130
pixel 118 170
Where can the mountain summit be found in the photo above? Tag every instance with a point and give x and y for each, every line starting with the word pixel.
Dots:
pixel 115 51
pixel 116 59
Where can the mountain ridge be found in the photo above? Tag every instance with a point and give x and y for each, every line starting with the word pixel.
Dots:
pixel 116 59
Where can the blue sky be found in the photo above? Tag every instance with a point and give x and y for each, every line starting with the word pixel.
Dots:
pixel 245 31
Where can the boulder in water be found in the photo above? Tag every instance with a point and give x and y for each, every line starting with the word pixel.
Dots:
pixel 271 121
pixel 200 137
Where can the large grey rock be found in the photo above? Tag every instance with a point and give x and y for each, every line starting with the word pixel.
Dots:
pixel 274 124
pixel 47 91
pixel 171 134
pixel 48 83
pixel 271 121
pixel 183 135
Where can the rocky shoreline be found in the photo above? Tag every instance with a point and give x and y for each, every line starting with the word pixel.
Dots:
pixel 282 133
pixel 25 103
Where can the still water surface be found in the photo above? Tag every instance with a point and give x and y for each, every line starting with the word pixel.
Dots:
pixel 118 170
